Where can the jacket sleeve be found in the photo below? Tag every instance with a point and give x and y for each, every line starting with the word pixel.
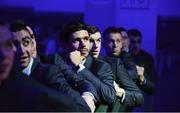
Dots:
pixel 133 95
pixel 147 86
pixel 129 65
pixel 102 81
pixel 76 82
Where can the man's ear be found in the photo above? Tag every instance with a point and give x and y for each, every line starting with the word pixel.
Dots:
pixel 34 49
pixel 30 30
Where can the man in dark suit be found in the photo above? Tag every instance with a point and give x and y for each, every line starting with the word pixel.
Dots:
pixel 22 93
pixel 48 75
pixel 125 93
pixel 76 41
pixel 145 67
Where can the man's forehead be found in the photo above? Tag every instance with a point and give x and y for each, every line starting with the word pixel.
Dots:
pixel 123 33
pixel 96 35
pixel 81 33
pixel 21 34
pixel 115 36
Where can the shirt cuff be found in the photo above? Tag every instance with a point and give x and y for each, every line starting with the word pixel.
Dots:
pixel 88 93
pixel 123 96
pixel 144 82
pixel 81 67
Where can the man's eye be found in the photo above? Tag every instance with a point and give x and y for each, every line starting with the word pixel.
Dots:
pixel 76 40
pixel 118 41
pixel 26 42
pixel 86 38
pixel 99 40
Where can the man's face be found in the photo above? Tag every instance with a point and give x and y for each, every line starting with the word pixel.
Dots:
pixel 24 48
pixel 6 52
pixel 80 41
pixel 95 44
pixel 113 44
pixel 135 44
pixel 125 40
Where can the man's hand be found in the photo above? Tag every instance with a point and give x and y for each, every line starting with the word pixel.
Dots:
pixel 89 100
pixel 76 57
pixel 140 71
pixel 119 91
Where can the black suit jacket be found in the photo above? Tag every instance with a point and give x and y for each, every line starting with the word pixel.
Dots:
pixel 99 73
pixel 51 76
pixel 74 80
pixel 24 93
pixel 133 95
pixel 145 60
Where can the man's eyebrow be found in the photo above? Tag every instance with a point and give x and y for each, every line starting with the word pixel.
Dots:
pixel 26 37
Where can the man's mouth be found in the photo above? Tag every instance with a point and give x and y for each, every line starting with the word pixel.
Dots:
pixel 94 52
pixel 84 51
pixel 22 59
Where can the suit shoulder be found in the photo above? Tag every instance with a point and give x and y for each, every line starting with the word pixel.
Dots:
pixel 101 63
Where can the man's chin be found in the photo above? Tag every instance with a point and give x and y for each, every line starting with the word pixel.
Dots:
pixel 115 54
pixel 22 66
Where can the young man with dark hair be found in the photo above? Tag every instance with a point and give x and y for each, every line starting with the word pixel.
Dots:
pixel 77 43
pixel 49 75
pixel 127 88
pixel 145 68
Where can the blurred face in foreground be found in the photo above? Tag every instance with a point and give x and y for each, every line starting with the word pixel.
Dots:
pixel 6 52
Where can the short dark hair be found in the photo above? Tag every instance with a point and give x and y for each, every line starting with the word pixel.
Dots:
pixel 135 33
pixel 92 29
pixel 109 30
pixel 19 25
pixel 71 28
pixel 122 29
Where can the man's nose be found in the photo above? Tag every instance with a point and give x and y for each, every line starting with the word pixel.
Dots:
pixel 83 43
pixel 20 49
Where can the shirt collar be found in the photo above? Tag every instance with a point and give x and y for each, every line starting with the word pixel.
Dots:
pixel 27 70
pixel 83 61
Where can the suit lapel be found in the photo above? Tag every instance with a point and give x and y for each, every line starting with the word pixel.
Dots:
pixel 35 66
pixel 89 62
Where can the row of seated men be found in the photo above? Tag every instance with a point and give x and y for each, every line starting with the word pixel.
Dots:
pixel 77 79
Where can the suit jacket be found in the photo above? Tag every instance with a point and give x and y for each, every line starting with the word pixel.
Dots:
pixel 75 81
pixel 24 93
pixel 51 76
pixel 145 60
pixel 133 95
pixel 99 73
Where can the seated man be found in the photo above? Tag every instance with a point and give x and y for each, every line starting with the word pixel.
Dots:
pixel 126 90
pixel 19 93
pixel 75 38
pixel 145 67
pixel 48 75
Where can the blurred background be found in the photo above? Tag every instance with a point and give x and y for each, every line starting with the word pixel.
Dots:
pixel 158 20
